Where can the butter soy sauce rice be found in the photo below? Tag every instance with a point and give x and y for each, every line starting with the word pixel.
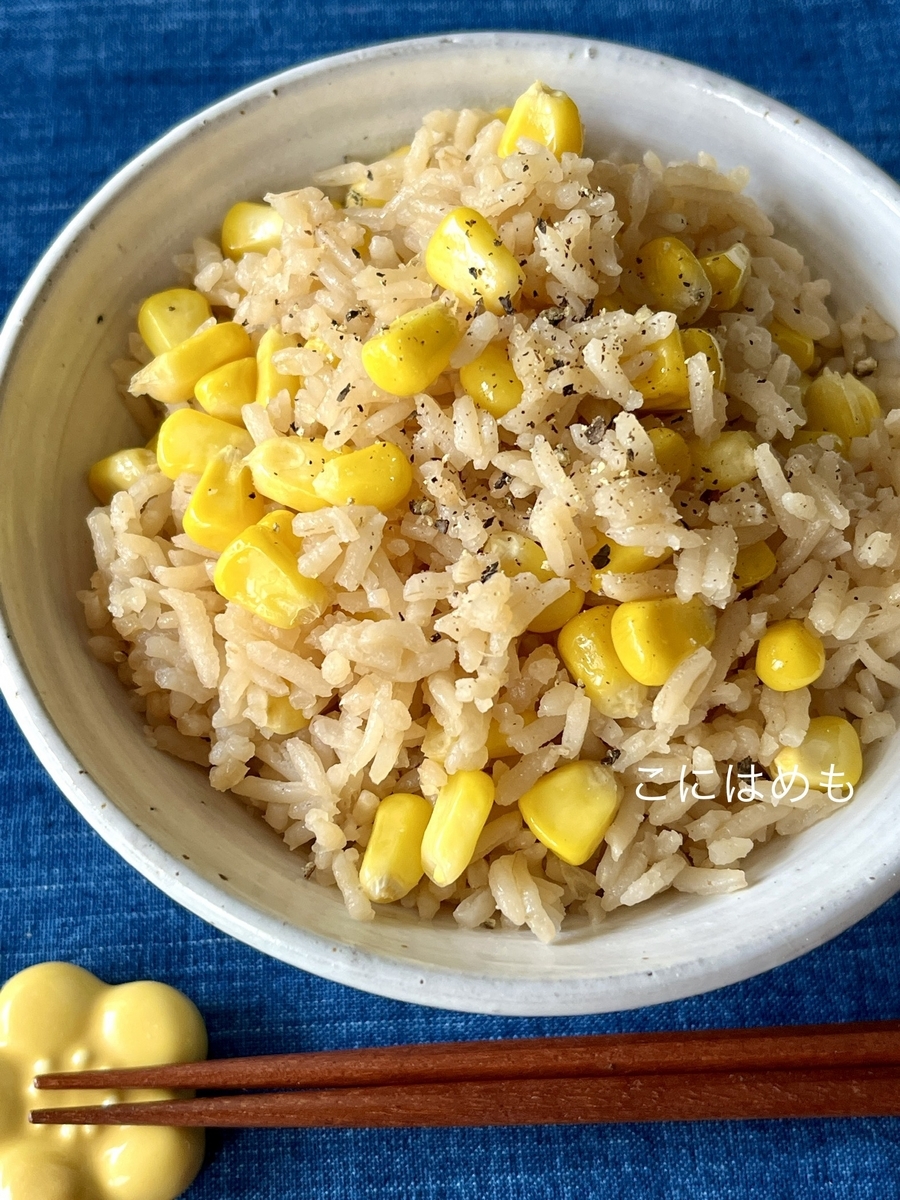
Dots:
pixel 423 652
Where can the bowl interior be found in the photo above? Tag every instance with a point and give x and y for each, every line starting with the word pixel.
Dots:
pixel 60 412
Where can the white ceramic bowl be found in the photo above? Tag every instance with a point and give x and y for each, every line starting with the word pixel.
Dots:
pixel 60 412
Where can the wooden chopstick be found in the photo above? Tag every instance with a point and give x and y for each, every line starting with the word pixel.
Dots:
pixel 783 1048
pixel 713 1095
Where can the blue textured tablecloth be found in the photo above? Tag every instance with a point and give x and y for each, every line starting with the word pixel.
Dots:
pixel 86 83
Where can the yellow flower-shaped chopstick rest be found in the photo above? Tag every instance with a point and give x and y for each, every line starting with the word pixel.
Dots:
pixel 58 1017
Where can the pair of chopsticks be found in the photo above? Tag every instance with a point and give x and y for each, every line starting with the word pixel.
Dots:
pixel 789 1071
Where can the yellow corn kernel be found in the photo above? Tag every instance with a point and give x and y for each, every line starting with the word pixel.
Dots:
pixel 724 462
pixel 664 384
pixel 652 637
pixel 224 502
pixel 491 381
pixel 672 456
pixel 379 475
pixel 466 256
pixel 250 228
pixel 269 380
pixel 570 809
pixel 280 523
pixel 841 404
pixel 152 444
pixel 503 114
pixel 727 273
pixel 282 717
pixel 829 754
pixel 545 116
pixel 754 564
pixel 258 571
pixel 189 439
pixel 119 471
pixel 700 341
pixel 612 559
pixel 169 318
pixel 224 392
pixel 789 656
pixel 798 346
pixel 171 377
pixel 586 647
pixel 462 807
pixel 284 469
pixel 517 553
pixel 413 351
pixel 673 279
pixel 392 862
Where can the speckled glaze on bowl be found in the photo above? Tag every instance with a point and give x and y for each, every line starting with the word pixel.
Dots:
pixel 59 412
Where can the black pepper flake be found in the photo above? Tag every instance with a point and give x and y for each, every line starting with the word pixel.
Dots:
pixel 421 506
pixel 629 454
pixel 435 637
pixel 353 312
pixel 594 432
pixel 506 304
pixel 490 572
pixel 542 225
pixel 442 525
pixel 568 389
pixel 611 757
pixel 488 523
pixel 253 495
pixel 502 481
pixel 589 311
pixel 474 272
pixel 356 253
pixel 343 394
pixel 601 558
pixel 555 315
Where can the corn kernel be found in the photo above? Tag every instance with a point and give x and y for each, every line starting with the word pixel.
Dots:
pixel 724 462
pixel 172 376
pixel 517 553
pixel 652 637
pixel 284 469
pixel 798 346
pixel 250 228
pixel 169 318
pixel 612 559
pixel 503 114
pixel 460 812
pixel 700 341
pixel 413 351
pixel 258 571
pixel 841 404
pixel 586 647
pixel 153 443
pixel 570 809
pixel 189 439
pixel 672 279
pixel 727 273
pixel 491 381
pixel 379 475
pixel 829 754
pixel 664 384
pixel 119 471
pixel 754 564
pixel 223 503
pixel 392 862
pixel 282 717
pixel 269 380
pixel 672 456
pixel 224 392
pixel 466 256
pixel 280 523
pixel 789 656
pixel 545 116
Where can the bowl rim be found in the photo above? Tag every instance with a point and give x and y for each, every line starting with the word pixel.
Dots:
pixel 355 966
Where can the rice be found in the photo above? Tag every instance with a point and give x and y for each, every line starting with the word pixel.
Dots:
pixel 424 649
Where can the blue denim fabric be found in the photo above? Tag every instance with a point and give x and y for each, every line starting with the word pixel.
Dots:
pixel 67 69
